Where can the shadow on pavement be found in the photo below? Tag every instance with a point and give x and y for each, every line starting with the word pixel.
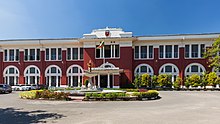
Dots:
pixel 17 116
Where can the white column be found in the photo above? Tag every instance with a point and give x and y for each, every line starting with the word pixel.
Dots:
pixel 49 81
pixel 99 81
pixel 35 79
pixel 79 81
pixel 199 51
pixel 164 51
pixel 172 51
pixel 71 80
pixel 108 86
pixel 190 51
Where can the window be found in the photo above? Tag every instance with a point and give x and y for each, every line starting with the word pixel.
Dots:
pixel 194 68
pixel 53 76
pixel 11 75
pixel 108 51
pixel 11 55
pixel 170 69
pixel 32 54
pixel 143 52
pixel 74 53
pixel 75 75
pixel 168 51
pixel 194 50
pixel 32 75
pixel 144 68
pixel 53 54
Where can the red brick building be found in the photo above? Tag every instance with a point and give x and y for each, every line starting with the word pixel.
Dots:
pixel 64 62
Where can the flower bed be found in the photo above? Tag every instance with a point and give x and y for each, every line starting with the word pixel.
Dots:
pixel 44 94
pixel 122 96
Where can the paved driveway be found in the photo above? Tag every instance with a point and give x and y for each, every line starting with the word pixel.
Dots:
pixel 182 107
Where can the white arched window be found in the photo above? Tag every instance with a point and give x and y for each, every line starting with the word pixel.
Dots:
pixel 53 76
pixel 144 68
pixel 11 75
pixel 32 74
pixel 169 69
pixel 75 75
pixel 107 65
pixel 194 68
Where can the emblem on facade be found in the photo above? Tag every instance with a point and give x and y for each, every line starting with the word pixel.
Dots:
pixel 107 33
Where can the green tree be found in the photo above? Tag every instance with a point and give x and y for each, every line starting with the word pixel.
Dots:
pixel 146 80
pixel 137 81
pixel 177 83
pixel 212 55
pixel 212 79
pixel 164 80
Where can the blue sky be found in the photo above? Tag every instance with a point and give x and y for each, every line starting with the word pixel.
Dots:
pixel 72 18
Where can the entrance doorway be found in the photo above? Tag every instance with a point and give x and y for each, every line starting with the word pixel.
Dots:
pixel 104 81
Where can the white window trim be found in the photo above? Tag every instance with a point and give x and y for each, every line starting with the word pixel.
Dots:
pixel 172 73
pixel 102 51
pixel 164 51
pixel 12 75
pixel 71 56
pixel 190 51
pixel 35 55
pixel 139 67
pixel 50 54
pixel 57 75
pixel 15 54
pixel 199 66
pixel 80 75
pixel 36 75
pixel 139 52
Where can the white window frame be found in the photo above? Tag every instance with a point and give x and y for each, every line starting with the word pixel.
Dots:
pixel 28 74
pixel 71 54
pixel 71 75
pixel 8 55
pixel 164 51
pixel 57 75
pixel 35 50
pixel 139 52
pixel 138 68
pixel 15 75
pixel 173 73
pixel 102 51
pixel 200 66
pixel 57 55
pixel 190 51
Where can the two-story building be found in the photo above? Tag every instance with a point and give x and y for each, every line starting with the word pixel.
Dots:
pixel 64 62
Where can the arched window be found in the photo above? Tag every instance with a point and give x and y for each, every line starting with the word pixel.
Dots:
pixel 53 74
pixel 142 69
pixel 194 68
pixel 75 75
pixel 107 65
pixel 11 75
pixel 169 69
pixel 32 74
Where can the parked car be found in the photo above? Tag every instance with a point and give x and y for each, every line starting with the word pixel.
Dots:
pixel 5 88
pixel 18 87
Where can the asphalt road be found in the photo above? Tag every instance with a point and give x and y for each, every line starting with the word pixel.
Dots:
pixel 183 107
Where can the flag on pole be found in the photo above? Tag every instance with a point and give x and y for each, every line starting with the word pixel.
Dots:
pixel 101 45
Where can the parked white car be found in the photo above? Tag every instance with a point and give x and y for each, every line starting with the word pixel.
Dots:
pixel 18 87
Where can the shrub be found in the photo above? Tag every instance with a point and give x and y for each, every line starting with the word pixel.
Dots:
pixel 212 79
pixel 154 81
pixel 146 80
pixel 164 80
pixel 137 81
pixel 148 94
pixel 33 94
pixel 193 80
pixel 177 83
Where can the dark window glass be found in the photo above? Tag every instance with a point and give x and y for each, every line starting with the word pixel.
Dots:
pixel 194 51
pixel 150 51
pixel 143 51
pixel 187 51
pixel 194 68
pixel 75 53
pixel 26 54
pixel 53 54
pixel 47 54
pixel 38 54
pixel 117 49
pixel 6 55
pixel 59 53
pixel 107 51
pixel 69 53
pixel 168 68
pixel 11 55
pixel 176 51
pixel 168 51
pixel 136 49
pixel 98 52
pixel 32 54
pixel 81 53
pixel 202 50
pixel 161 51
